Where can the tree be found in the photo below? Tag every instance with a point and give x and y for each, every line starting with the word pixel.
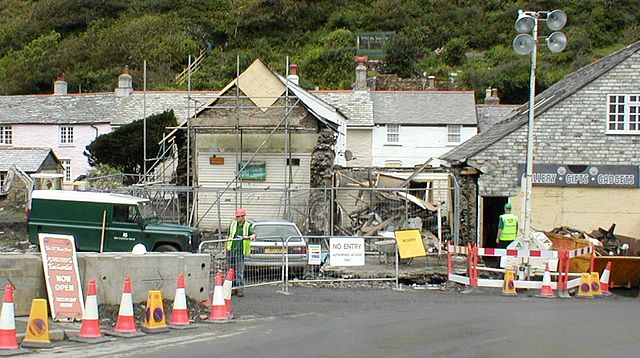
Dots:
pixel 123 149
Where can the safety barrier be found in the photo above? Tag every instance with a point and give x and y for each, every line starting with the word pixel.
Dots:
pixel 472 274
pixel 275 260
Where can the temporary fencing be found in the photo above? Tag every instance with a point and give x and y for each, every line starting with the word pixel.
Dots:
pixel 473 253
pixel 275 260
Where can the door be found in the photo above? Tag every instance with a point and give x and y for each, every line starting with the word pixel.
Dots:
pixel 492 208
pixel 124 229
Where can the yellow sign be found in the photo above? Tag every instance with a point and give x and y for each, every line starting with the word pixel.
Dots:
pixel 410 243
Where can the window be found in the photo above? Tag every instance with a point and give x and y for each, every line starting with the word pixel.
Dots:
pixel 623 114
pixel 66 166
pixel 2 179
pixel 6 135
pixel 125 213
pixel 393 133
pixel 454 133
pixel 66 135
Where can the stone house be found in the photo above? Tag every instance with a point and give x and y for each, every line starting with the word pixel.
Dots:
pixel 68 122
pixel 40 165
pixel 267 136
pixel 401 128
pixel 585 157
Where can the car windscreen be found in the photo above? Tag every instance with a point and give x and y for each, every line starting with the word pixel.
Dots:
pixel 266 231
pixel 147 211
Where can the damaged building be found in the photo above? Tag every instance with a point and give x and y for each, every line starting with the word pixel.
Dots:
pixel 585 154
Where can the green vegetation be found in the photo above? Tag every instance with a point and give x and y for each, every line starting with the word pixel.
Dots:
pixel 92 40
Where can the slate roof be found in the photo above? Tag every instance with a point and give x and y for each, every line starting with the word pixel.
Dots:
pixel 357 106
pixel 92 107
pixel 544 100
pixel 489 115
pixel 424 107
pixel 29 159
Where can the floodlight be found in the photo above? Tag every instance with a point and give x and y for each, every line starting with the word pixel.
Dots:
pixel 556 42
pixel 524 23
pixel 556 20
pixel 523 44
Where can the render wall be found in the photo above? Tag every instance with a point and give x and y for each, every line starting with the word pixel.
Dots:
pixel 48 136
pixel 359 143
pixel 417 144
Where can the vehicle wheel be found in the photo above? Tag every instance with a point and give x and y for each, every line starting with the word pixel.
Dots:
pixel 166 248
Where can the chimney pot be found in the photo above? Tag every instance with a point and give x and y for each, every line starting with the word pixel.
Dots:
pixel 432 82
pixel 293 74
pixel 60 86
pixel 361 73
pixel 125 83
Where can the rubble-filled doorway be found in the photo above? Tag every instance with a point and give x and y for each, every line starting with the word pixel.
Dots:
pixel 492 208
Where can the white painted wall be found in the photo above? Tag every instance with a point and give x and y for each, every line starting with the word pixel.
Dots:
pixel 417 144
pixel 48 136
pixel 359 142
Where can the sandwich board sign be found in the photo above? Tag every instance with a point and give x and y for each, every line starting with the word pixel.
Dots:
pixel 61 276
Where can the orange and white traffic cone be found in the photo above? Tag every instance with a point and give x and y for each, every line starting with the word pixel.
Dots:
pixel 126 323
pixel 546 291
pixel 180 313
pixel 604 280
pixel 218 310
pixel 226 289
pixel 90 329
pixel 8 337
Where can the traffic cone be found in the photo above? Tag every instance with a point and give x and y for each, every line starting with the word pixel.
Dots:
pixel 509 286
pixel 180 313
pixel 90 328
pixel 596 290
pixel 584 289
pixel 154 315
pixel 8 338
pixel 226 288
pixel 37 334
pixel 218 311
pixel 604 280
pixel 126 323
pixel 546 291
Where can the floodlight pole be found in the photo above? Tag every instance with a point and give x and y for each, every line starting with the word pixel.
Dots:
pixel 529 170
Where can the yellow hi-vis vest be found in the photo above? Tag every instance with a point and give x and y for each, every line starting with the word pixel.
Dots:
pixel 509 228
pixel 246 244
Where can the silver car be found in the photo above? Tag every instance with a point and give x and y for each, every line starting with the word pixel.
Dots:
pixel 268 249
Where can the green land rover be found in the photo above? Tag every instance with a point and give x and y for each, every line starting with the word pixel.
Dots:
pixel 105 222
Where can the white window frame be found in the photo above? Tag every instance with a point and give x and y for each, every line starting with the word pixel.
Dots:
pixel 6 135
pixel 66 169
pixel 66 135
pixel 454 131
pixel 623 114
pixel 393 133
pixel 2 179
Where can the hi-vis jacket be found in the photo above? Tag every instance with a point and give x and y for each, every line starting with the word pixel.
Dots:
pixel 509 227
pixel 246 231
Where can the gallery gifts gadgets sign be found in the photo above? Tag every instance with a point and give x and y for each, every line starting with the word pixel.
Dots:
pixel 618 176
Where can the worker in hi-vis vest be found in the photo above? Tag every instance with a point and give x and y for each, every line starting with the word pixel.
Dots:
pixel 507 227
pixel 238 245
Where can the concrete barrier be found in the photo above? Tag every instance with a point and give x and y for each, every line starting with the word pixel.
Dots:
pixel 151 271
pixel 24 272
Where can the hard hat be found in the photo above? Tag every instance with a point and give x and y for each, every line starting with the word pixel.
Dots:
pixel 507 206
pixel 139 249
pixel 241 212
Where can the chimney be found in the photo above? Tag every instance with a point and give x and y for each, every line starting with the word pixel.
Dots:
pixel 491 96
pixel 60 86
pixel 125 83
pixel 361 73
pixel 432 82
pixel 293 74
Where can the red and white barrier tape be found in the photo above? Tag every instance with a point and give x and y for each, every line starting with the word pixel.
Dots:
pixel 580 252
pixel 517 253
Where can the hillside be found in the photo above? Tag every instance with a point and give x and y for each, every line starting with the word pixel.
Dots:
pixel 90 41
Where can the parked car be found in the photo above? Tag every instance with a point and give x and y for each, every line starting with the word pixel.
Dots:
pixel 268 249
pixel 111 222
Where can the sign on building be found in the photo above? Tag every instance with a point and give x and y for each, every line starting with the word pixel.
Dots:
pixel 620 176
pixel 346 251
pixel 61 276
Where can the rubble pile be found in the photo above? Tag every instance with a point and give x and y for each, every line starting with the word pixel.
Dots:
pixel 605 242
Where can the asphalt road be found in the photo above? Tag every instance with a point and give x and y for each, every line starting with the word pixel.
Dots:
pixel 380 322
